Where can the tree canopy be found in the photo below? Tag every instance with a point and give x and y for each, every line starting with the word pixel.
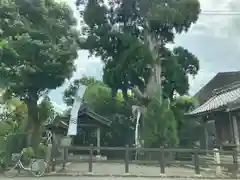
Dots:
pixel 41 49
pixel 71 90
pixel 98 97
pixel 176 70
pixel 130 37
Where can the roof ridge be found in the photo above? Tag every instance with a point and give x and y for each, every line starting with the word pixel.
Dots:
pixel 227 88
pixel 222 73
pixel 228 72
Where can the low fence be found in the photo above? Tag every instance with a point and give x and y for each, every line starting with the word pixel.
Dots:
pixel 162 158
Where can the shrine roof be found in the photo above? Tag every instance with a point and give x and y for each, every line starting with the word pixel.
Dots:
pixel 224 99
pixel 220 80
pixel 84 111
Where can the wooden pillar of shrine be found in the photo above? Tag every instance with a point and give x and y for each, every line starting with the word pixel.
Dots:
pixel 98 140
pixel 235 131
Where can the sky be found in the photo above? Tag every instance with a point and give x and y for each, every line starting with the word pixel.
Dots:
pixel 214 39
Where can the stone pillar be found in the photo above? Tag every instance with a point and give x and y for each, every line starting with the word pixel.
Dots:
pixel 98 140
pixel 235 131
pixel 217 161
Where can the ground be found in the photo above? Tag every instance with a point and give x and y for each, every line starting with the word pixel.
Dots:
pixel 119 169
pixel 115 171
pixel 89 178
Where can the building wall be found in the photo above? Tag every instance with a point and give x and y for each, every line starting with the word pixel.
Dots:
pixel 223 126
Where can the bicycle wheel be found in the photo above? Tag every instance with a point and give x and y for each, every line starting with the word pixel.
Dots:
pixel 38 167
pixel 12 171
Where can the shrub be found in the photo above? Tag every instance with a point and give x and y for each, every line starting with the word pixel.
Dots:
pixel 160 127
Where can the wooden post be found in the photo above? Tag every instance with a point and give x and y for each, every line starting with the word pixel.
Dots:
pixel 127 159
pixel 162 160
pixel 206 135
pixel 235 163
pixel 53 155
pixel 98 140
pixel 90 165
pixel 235 131
pixel 48 156
pixel 65 156
pixel 196 160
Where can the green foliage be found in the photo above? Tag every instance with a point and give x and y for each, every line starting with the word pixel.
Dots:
pixel 180 106
pixel 98 98
pixel 40 53
pixel 189 130
pixel 70 92
pixel 13 116
pixel 41 46
pixel 120 132
pixel 46 110
pixel 160 126
pixel 12 142
pixel 28 152
pixel 118 34
pixel 179 65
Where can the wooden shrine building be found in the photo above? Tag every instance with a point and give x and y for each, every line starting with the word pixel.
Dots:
pixel 86 119
pixel 219 100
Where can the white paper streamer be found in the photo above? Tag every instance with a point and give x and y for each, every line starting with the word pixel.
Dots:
pixel 137 110
pixel 73 122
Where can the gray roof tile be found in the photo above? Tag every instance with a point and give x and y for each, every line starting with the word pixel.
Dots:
pixel 218 101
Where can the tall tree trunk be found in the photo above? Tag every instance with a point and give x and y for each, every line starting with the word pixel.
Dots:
pixel 34 125
pixel 36 136
pixel 155 81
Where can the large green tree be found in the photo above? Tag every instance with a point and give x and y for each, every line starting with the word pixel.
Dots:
pixel 130 36
pixel 40 53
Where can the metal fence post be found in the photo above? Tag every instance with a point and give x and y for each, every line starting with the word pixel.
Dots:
pixel 196 160
pixel 90 165
pixel 162 160
pixel 235 163
pixel 127 159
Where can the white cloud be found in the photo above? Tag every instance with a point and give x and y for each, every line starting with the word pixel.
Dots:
pixel 214 39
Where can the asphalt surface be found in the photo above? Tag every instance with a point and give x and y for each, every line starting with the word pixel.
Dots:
pixel 91 178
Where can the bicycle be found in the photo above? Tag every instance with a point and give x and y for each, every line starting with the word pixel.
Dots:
pixel 37 167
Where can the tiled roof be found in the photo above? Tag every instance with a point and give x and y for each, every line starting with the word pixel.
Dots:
pixel 221 100
pixel 85 110
pixel 220 80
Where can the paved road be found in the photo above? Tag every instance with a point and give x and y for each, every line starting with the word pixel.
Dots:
pixel 88 178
